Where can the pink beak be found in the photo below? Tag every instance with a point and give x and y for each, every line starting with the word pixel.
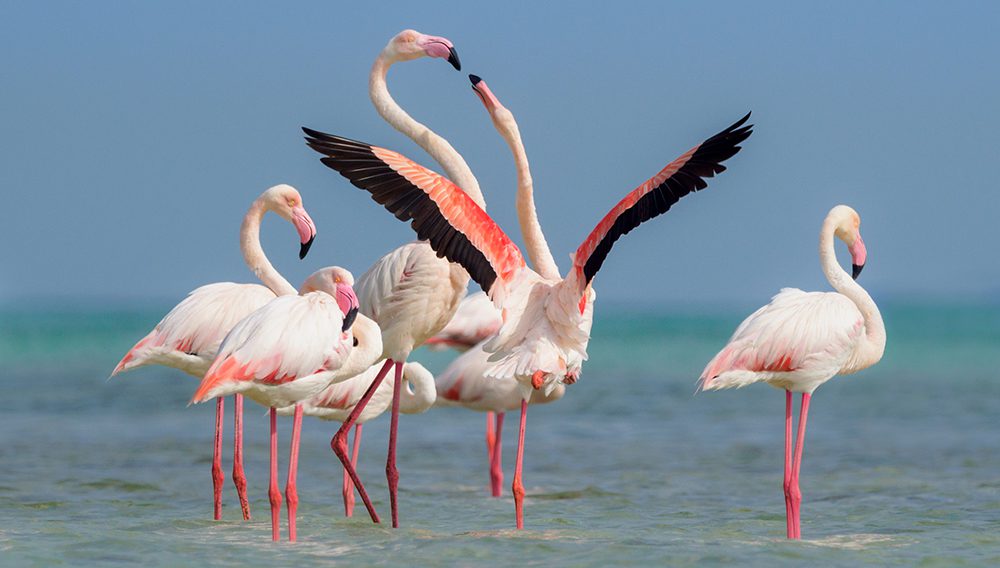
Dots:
pixel 306 228
pixel 435 46
pixel 859 255
pixel 349 305
pixel 485 94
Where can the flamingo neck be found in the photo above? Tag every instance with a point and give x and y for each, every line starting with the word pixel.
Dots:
pixel 423 393
pixel 531 230
pixel 253 253
pixel 450 160
pixel 872 344
pixel 366 352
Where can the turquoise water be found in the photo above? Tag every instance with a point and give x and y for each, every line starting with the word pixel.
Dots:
pixel 901 466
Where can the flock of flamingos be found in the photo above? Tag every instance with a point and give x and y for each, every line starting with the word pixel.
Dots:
pixel 324 349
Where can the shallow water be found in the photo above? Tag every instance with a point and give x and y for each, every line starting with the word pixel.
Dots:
pixel 901 465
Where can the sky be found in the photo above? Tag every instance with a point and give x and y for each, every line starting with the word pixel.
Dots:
pixel 135 136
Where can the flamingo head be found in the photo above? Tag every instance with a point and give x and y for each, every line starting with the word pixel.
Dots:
pixel 848 229
pixel 502 118
pixel 339 283
pixel 411 44
pixel 287 203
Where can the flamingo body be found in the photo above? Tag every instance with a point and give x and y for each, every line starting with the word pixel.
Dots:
pixel 475 320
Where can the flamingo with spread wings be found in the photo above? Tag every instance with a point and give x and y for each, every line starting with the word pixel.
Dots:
pixel 802 339
pixel 188 337
pixel 546 321
pixel 288 351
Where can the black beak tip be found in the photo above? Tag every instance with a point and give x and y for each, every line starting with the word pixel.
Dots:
pixel 475 79
pixel 349 318
pixel 305 247
pixel 856 270
pixel 453 59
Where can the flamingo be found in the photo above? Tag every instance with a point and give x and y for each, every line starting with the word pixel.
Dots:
pixel 546 325
pixel 410 292
pixel 338 400
pixel 288 351
pixel 464 381
pixel 475 320
pixel 188 337
pixel 800 340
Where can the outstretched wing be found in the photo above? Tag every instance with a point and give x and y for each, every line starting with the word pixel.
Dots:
pixel 657 194
pixel 440 211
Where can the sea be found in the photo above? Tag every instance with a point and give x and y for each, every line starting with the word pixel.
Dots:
pixel 631 467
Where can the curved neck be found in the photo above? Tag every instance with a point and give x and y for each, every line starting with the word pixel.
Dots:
pixel 366 352
pixel 253 253
pixel 872 343
pixel 531 230
pixel 450 160
pixel 423 393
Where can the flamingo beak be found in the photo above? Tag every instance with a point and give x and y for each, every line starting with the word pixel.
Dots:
pixel 485 94
pixel 441 47
pixel 859 255
pixel 349 305
pixel 306 228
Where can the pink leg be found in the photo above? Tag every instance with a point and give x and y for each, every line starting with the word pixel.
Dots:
pixel 496 459
pixel 391 473
pixel 239 477
pixel 491 440
pixel 797 464
pixel 787 484
pixel 348 485
pixel 272 491
pixel 518 487
pixel 339 441
pixel 217 477
pixel 291 491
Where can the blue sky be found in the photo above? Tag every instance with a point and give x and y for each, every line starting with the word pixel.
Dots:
pixel 136 135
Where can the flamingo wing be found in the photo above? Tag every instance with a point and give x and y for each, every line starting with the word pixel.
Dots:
pixel 808 334
pixel 290 337
pixel 656 195
pixel 189 335
pixel 439 211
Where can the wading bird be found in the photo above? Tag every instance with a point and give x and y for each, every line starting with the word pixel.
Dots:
pixel 410 292
pixel 288 351
pixel 188 337
pixel 802 339
pixel 546 325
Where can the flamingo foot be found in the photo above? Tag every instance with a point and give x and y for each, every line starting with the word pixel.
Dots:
pixel 291 489
pixel 518 486
pixel 348 485
pixel 391 472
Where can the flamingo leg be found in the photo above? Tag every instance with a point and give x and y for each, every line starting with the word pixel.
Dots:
pixel 291 490
pixel 391 473
pixel 339 441
pixel 787 484
pixel 348 485
pixel 239 476
pixel 797 464
pixel 496 459
pixel 272 492
pixel 491 440
pixel 518 487
pixel 217 477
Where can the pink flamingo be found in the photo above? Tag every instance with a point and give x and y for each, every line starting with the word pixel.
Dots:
pixel 546 325
pixel 464 382
pixel 802 339
pixel 288 351
pixel 410 292
pixel 188 337
pixel 338 400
